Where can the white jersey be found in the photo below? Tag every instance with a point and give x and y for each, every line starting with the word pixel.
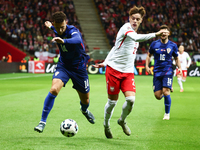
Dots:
pixel 185 60
pixel 122 55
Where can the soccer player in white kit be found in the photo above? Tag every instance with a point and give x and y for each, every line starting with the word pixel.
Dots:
pixel 185 61
pixel 120 68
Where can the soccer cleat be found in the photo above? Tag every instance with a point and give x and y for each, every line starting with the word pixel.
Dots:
pixel 108 132
pixel 181 90
pixel 125 128
pixel 166 116
pixel 40 127
pixel 89 116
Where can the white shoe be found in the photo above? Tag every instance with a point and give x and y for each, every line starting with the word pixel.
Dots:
pixel 124 126
pixel 166 116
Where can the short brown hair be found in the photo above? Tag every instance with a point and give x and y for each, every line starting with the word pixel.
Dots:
pixel 136 10
pixel 164 27
pixel 59 17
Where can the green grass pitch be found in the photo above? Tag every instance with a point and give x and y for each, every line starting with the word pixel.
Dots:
pixel 21 101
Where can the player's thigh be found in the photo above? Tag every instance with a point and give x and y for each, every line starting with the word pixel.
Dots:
pixel 128 84
pixel 113 96
pixel 80 80
pixel 158 94
pixel 62 74
pixel 157 84
pixel 129 93
pixel 112 81
pixel 179 75
pixel 166 91
pixel 57 84
pixel 184 72
pixel 167 81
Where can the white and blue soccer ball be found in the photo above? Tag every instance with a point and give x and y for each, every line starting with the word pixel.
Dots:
pixel 69 128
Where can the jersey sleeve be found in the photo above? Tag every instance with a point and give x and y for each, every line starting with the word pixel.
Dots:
pixel 140 37
pixel 151 49
pixel 54 29
pixel 75 38
pixel 175 51
pixel 188 59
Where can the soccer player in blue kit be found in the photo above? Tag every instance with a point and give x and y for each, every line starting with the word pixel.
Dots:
pixel 163 51
pixel 71 65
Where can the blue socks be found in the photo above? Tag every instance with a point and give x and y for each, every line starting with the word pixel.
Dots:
pixel 84 106
pixel 48 104
pixel 167 102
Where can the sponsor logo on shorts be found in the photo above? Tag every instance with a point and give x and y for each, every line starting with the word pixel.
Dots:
pixel 112 89
pixel 56 73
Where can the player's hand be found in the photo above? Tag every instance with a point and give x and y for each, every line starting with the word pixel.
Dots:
pixel 179 71
pixel 48 24
pixel 148 70
pixel 162 31
pixel 58 40
pixel 98 65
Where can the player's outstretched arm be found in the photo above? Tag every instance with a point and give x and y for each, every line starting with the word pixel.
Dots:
pixel 147 63
pixel 178 64
pixel 162 31
pixel 98 65
pixel 57 40
pixel 48 24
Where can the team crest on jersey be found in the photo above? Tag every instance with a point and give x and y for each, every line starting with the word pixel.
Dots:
pixel 56 73
pixel 112 88
pixel 168 50
pixel 128 28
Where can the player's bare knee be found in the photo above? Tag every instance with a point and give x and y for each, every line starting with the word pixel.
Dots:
pixel 158 97
pixel 130 100
pixel 85 101
pixel 54 90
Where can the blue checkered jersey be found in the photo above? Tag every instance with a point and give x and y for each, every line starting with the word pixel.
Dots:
pixel 72 51
pixel 163 57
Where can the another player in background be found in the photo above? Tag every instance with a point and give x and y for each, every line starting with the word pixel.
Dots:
pixel 163 50
pixel 120 68
pixel 185 61
pixel 71 65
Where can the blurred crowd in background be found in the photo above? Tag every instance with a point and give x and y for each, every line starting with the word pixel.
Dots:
pixel 182 16
pixel 22 22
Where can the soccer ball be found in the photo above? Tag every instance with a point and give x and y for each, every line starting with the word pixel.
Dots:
pixel 69 128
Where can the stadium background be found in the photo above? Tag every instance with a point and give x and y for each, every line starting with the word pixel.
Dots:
pixel 24 35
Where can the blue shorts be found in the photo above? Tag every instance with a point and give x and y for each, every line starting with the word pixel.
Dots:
pixel 162 81
pixel 79 78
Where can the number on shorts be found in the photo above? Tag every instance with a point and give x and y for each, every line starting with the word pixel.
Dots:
pixel 86 83
pixel 169 81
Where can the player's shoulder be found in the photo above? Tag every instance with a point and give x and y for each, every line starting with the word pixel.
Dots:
pixel 155 42
pixel 127 27
pixel 71 28
pixel 172 43
pixel 185 53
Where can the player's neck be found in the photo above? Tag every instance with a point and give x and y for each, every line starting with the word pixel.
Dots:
pixel 164 41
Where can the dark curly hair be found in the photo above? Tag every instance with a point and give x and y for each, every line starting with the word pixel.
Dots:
pixel 59 17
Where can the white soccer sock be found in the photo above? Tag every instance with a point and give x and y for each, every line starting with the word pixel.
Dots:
pixel 127 107
pixel 183 80
pixel 108 111
pixel 180 83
